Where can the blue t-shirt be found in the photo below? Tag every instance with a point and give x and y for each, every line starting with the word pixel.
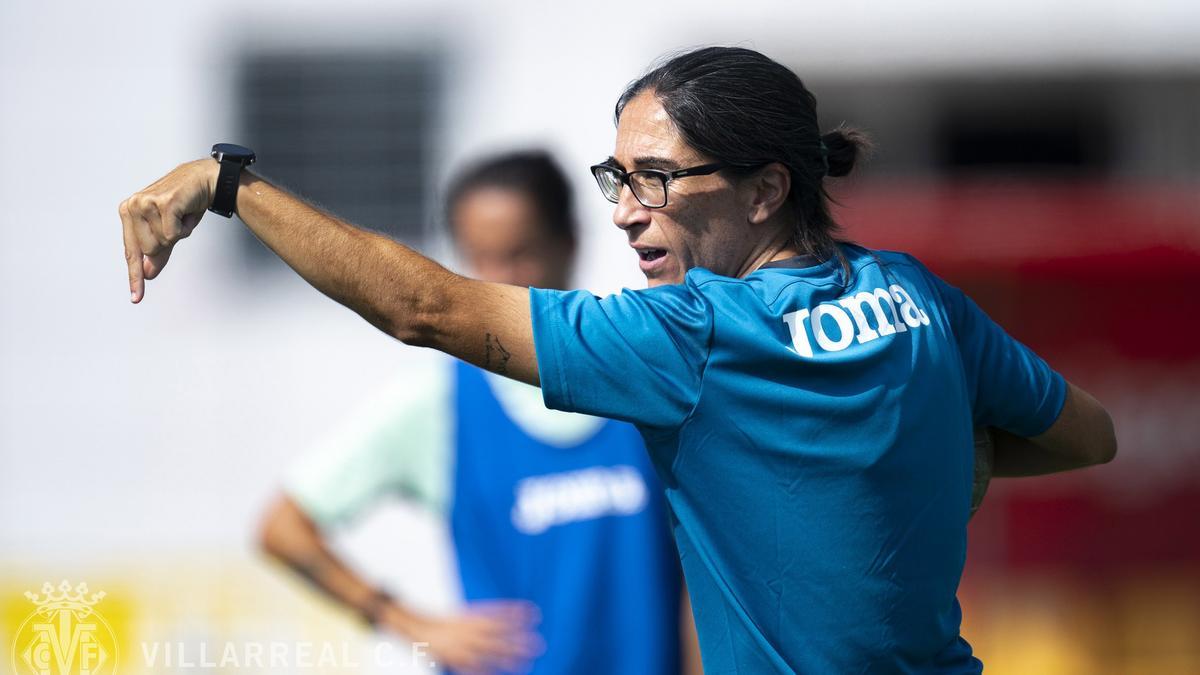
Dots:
pixel 814 437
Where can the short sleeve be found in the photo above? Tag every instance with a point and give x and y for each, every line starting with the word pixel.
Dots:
pixel 637 356
pixel 396 444
pixel 1011 387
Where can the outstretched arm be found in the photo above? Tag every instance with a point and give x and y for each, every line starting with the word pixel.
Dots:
pixel 398 290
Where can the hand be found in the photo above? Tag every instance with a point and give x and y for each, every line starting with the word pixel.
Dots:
pixel 484 638
pixel 157 217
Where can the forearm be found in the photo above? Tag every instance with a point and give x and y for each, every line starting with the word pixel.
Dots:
pixel 289 536
pixel 393 287
pixel 396 289
pixel 1017 456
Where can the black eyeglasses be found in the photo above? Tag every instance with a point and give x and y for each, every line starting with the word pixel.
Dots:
pixel 649 186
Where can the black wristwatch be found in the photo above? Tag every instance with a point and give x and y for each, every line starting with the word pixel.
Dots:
pixel 233 159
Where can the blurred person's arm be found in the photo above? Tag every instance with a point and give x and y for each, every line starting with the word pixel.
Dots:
pixel 485 636
pixel 290 536
pixel 1082 436
pixel 396 289
pixel 396 443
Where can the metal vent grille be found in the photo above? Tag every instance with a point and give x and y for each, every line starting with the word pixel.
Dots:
pixel 350 132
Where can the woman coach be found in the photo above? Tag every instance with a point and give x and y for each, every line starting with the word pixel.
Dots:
pixel 808 403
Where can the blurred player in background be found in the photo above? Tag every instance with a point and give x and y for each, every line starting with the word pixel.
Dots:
pixel 553 515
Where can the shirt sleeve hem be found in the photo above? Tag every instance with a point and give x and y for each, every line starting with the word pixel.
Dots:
pixel 1056 399
pixel 1059 395
pixel 548 351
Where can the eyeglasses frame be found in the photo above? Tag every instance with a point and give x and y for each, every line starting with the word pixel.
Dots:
pixel 664 176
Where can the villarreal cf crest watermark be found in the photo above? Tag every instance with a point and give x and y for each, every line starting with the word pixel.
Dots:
pixel 61 631
pixel 64 634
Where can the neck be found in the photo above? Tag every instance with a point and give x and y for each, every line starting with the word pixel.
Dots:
pixel 778 248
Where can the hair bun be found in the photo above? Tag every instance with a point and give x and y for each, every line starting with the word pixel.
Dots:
pixel 844 147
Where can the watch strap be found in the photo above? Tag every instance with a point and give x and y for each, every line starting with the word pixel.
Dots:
pixel 225 195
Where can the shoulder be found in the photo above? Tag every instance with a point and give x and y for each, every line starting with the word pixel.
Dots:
pixel 894 260
pixel 690 292
pixel 685 303
pixel 895 266
pixel 861 257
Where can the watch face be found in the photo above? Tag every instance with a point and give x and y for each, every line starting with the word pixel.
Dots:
pixel 233 152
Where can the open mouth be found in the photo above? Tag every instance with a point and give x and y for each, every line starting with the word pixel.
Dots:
pixel 649 254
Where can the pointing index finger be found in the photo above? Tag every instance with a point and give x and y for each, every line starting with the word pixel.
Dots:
pixel 133 256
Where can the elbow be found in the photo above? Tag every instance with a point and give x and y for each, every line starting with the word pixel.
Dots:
pixel 405 320
pixel 422 321
pixel 416 327
pixel 265 539
pixel 1098 444
pixel 270 529
pixel 1106 445
pixel 1087 429
pixel 416 318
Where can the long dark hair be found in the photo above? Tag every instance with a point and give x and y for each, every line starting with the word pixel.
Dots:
pixel 739 107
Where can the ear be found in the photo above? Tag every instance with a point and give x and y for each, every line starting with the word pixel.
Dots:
pixel 769 191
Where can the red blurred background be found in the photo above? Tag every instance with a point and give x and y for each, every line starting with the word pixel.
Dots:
pixel 1096 571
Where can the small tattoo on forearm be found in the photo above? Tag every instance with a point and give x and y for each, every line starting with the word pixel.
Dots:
pixel 495 356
